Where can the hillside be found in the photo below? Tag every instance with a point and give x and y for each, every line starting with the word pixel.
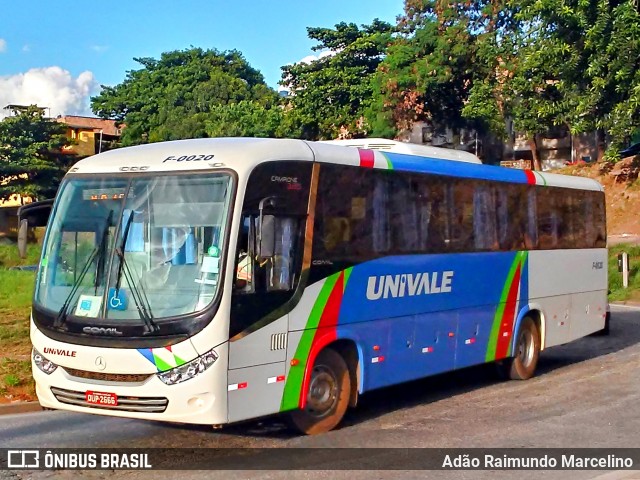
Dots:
pixel 622 192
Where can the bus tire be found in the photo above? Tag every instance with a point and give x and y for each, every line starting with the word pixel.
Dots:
pixel 522 365
pixel 328 395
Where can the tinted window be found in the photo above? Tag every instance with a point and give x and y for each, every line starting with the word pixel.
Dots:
pixel 363 214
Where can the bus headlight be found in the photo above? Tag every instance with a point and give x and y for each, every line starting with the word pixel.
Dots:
pixel 188 370
pixel 47 366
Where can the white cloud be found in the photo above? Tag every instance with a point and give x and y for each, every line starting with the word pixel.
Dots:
pixel 313 58
pixel 26 48
pixel 99 48
pixel 51 87
pixel 3 45
pixel 308 59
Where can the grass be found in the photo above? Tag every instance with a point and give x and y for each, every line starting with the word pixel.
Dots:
pixel 16 290
pixel 616 291
pixel 9 255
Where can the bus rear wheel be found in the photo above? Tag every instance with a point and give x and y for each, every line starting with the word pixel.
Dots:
pixel 327 397
pixel 523 364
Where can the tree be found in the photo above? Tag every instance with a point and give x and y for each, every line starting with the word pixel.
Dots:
pixel 574 63
pixel 32 163
pixel 175 97
pixel 600 69
pixel 329 96
pixel 244 119
pixel 516 79
pixel 427 72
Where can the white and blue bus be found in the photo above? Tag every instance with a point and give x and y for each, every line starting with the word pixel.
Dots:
pixel 211 281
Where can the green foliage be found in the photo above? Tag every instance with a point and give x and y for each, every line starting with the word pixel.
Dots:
pixel 562 62
pixel 535 64
pixel 12 380
pixel 32 163
pixel 616 291
pixel 16 293
pixel 427 73
pixel 329 96
pixel 598 70
pixel 182 95
pixel 9 256
pixel 244 119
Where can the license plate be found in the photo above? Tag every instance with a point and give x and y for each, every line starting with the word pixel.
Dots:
pixel 101 398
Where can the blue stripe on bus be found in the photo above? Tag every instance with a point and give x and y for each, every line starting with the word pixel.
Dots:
pixel 436 166
pixel 427 333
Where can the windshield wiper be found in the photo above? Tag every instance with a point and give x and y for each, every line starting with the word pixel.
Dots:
pixel 140 298
pixel 100 249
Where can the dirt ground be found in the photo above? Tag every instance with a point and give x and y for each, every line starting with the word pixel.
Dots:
pixel 622 197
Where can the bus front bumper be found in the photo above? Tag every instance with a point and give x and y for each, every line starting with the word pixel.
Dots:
pixel 200 400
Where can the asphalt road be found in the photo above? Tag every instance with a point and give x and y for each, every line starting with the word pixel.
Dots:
pixel 585 394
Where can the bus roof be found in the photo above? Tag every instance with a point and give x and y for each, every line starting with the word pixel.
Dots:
pixel 244 154
pixel 393 146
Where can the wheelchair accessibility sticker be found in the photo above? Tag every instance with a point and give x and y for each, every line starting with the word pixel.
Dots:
pixel 117 300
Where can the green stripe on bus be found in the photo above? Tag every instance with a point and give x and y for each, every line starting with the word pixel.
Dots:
pixel 389 164
pixel 497 319
pixel 347 274
pixel 293 385
pixel 544 180
pixel 178 360
pixel 161 365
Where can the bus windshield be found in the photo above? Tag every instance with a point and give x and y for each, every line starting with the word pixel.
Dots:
pixel 132 249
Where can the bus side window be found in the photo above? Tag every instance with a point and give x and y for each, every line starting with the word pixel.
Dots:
pixel 280 274
pixel 548 220
pixel 275 273
pixel 484 218
pixel 461 212
pixel 600 219
pixel 381 234
pixel 511 218
pixel 244 268
pixel 531 232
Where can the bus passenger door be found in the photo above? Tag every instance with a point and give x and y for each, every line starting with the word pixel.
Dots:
pixel 269 255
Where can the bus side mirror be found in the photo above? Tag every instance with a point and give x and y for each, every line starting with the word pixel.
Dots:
pixel 23 231
pixel 267 237
pixel 34 214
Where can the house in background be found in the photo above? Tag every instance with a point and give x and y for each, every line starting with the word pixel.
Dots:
pixel 90 135
pixel 556 148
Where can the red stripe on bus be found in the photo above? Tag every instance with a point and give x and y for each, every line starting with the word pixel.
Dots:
pixel 366 158
pixel 502 347
pixel 531 177
pixel 325 333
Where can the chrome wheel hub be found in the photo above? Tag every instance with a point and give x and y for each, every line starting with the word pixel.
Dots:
pixel 525 348
pixel 323 391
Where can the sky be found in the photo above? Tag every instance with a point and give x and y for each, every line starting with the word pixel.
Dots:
pixel 57 54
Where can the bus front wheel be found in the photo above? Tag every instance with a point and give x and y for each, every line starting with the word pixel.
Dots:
pixel 523 364
pixel 327 397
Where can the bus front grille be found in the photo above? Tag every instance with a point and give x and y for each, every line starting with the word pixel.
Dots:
pixel 108 377
pixel 127 404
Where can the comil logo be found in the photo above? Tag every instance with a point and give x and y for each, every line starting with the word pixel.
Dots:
pixel 409 284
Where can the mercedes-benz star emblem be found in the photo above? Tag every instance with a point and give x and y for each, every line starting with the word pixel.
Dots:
pixel 100 363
